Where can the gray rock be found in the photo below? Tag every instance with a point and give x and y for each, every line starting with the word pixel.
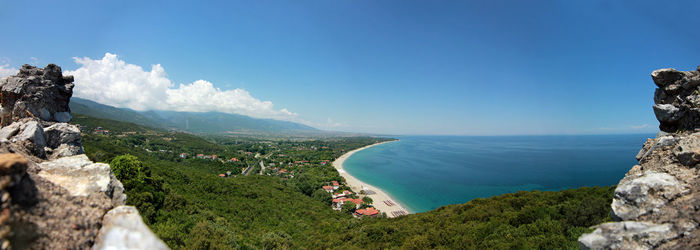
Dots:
pixel 637 195
pixel 665 77
pixel 666 112
pixel 62 116
pixel 44 114
pixel 117 191
pixel 65 150
pixel 123 229
pixel 77 174
pixel 9 131
pixel 666 141
pixel 627 235
pixel 36 92
pixel 62 133
pixel 31 135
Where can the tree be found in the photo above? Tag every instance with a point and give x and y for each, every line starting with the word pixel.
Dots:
pixel 367 200
pixel 129 170
pixel 348 207
pixel 323 196
pixel 277 240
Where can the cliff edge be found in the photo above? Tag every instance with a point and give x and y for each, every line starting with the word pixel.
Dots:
pixel 657 203
pixel 51 195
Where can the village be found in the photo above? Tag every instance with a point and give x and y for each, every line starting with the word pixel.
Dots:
pixel 283 159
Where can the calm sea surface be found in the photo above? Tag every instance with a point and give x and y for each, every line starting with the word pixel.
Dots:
pixel 426 172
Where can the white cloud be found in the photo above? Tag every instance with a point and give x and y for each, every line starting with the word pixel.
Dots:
pixel 6 71
pixel 639 126
pixel 114 82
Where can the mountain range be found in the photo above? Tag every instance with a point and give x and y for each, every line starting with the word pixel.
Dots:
pixel 194 122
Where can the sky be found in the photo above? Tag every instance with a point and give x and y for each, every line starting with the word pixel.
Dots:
pixel 388 67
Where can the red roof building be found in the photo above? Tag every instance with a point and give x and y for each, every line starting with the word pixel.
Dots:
pixel 328 188
pixel 222 175
pixel 370 211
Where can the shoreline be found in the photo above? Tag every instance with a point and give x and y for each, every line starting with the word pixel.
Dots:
pixel 378 195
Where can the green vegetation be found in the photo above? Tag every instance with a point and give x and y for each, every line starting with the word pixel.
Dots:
pixel 189 206
pixel 523 220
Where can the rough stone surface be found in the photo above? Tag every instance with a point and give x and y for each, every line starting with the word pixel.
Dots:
pixel 657 203
pixel 51 195
pixel 36 92
pixel 31 135
pixel 627 235
pixel 62 116
pixel 9 131
pixel 677 99
pixel 633 195
pixel 123 229
pixel 77 174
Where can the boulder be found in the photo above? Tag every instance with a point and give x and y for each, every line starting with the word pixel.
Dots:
pixel 62 116
pixel 627 235
pixel 37 93
pixel 665 77
pixel 57 203
pixel 9 131
pixel 62 133
pixel 640 194
pixel 123 228
pixel 80 176
pixel 666 112
pixel 31 135
pixel 657 203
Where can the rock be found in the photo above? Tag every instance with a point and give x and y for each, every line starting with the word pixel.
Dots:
pixel 666 112
pixel 66 150
pixel 12 164
pixel 59 203
pixel 36 92
pixel 77 174
pixel 637 195
pixel 9 131
pixel 689 158
pixel 657 203
pixel 627 235
pixel 116 191
pixel 122 228
pixel 31 135
pixel 62 116
pixel 666 141
pixel 665 77
pixel 62 133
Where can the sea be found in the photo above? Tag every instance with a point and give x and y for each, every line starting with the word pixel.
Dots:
pixel 427 172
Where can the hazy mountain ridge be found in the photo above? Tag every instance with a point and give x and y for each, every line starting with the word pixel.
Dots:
pixel 196 122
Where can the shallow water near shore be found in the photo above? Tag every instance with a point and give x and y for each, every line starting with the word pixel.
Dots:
pixel 426 172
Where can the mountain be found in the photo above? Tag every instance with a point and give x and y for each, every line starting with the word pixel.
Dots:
pixel 195 122
pixel 94 109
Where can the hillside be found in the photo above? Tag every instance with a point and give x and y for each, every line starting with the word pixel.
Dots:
pixel 189 206
pixel 202 122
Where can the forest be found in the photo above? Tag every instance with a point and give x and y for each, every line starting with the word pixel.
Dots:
pixel 188 205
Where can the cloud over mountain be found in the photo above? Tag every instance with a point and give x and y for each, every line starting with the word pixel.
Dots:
pixel 114 82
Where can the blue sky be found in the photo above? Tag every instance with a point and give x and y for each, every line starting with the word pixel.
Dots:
pixel 397 67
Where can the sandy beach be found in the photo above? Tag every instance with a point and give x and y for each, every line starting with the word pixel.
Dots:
pixel 381 200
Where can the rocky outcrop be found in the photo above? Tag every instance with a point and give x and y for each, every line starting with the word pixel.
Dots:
pixel 657 203
pixel 52 196
pixel 36 92
pixel 123 229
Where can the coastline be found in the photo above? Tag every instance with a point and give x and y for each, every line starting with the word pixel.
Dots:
pixel 378 195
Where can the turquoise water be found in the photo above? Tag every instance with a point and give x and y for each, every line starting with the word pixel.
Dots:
pixel 426 172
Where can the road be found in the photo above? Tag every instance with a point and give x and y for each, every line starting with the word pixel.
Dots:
pixel 247 171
